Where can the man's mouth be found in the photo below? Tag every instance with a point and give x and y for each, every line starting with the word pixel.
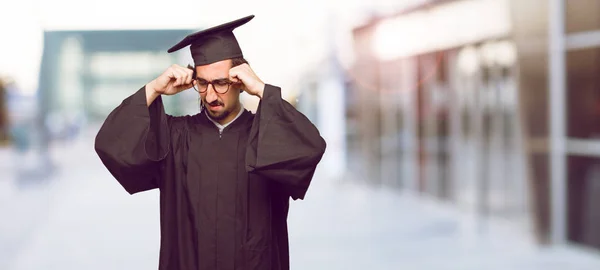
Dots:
pixel 215 105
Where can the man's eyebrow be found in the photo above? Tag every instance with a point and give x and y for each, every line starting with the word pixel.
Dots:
pixel 218 79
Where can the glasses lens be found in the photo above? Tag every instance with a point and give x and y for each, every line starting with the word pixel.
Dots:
pixel 200 86
pixel 221 88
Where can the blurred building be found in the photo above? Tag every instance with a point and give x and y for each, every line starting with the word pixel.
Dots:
pixel 86 73
pixel 107 65
pixel 488 105
pixel 3 114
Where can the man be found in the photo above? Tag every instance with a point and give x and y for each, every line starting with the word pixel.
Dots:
pixel 225 175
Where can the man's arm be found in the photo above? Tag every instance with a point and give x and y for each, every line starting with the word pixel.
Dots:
pixel 284 145
pixel 172 81
pixel 250 82
pixel 135 137
pixel 151 94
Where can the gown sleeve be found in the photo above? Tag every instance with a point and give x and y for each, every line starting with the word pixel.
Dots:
pixel 284 145
pixel 133 141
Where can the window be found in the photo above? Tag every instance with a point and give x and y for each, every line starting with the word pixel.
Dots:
pixel 583 93
pixel 582 15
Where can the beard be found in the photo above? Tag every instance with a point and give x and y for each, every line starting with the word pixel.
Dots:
pixel 220 115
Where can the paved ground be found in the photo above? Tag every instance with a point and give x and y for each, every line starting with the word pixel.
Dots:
pixel 79 218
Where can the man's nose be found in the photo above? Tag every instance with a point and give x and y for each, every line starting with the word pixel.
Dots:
pixel 211 95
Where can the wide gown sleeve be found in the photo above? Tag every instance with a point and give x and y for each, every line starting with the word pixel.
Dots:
pixel 284 145
pixel 133 141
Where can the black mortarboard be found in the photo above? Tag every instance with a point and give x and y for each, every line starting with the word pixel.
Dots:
pixel 213 44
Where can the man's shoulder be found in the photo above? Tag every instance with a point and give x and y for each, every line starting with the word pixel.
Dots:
pixel 184 121
pixel 249 115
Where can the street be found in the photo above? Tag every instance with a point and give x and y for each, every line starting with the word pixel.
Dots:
pixel 80 218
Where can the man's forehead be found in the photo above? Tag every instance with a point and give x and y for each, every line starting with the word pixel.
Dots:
pixel 217 70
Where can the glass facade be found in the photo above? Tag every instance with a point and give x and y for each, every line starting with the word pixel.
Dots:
pixel 583 94
pixel 582 25
pixel 86 74
pixel 470 124
pixel 584 200
pixel 581 15
pixel 446 124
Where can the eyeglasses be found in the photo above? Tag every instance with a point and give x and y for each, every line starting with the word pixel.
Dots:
pixel 220 86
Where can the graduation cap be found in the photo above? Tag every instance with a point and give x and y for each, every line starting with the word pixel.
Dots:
pixel 213 44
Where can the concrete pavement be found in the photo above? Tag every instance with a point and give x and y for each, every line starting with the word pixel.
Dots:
pixel 82 219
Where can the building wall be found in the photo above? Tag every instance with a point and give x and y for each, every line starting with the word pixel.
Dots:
pixel 470 124
pixel 531 38
pixel 3 115
pixel 365 76
pixel 582 26
pixel 445 123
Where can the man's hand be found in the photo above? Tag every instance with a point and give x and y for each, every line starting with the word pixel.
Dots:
pixel 250 82
pixel 174 80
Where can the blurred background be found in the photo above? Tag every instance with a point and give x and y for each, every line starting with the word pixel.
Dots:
pixel 461 133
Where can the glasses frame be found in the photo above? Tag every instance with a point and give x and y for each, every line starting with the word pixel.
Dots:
pixel 229 83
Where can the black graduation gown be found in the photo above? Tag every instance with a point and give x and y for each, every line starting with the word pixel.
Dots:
pixel 224 198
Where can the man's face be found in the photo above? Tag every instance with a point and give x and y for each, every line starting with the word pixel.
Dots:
pixel 221 107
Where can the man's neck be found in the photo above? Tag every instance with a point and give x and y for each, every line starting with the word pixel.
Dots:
pixel 232 116
pixel 222 123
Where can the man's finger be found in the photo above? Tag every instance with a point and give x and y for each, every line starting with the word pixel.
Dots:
pixel 175 79
pixel 233 75
pixel 172 71
pixel 180 77
pixel 234 79
pixel 189 71
pixel 188 77
pixel 187 74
